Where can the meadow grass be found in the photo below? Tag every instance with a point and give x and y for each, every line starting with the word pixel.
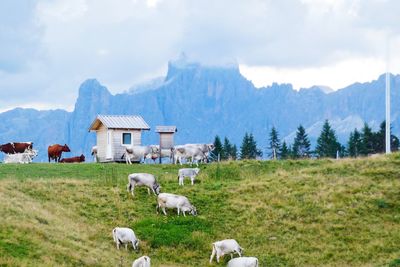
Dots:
pixel 286 213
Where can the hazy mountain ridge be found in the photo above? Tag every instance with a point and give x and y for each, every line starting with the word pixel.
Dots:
pixel 203 101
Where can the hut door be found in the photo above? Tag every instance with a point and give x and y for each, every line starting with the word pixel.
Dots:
pixel 109 145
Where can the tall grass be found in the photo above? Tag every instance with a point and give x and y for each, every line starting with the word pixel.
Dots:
pixel 286 213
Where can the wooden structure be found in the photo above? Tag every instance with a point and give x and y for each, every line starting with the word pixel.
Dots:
pixel 116 132
pixel 166 137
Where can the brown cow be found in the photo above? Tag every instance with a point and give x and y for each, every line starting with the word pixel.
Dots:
pixel 79 159
pixel 16 147
pixel 55 151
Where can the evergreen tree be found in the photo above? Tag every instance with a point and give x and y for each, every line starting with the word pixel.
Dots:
pixel 255 152
pixel 284 152
pixel 245 147
pixel 327 144
pixel 274 144
pixel 342 151
pixel 233 153
pixel 249 149
pixel 380 140
pixel 367 140
pixel 354 145
pixel 226 149
pixel 301 145
pixel 351 147
pixel 218 149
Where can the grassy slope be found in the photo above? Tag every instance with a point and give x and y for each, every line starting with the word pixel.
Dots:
pixel 287 213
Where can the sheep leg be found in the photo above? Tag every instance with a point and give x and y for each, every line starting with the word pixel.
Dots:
pixel 148 190
pixel 126 246
pixel 165 213
pixel 212 254
pixel 192 178
pixel 133 189
pixel 178 211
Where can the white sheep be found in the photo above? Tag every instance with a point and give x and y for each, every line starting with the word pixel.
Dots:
pixel 142 179
pixel 172 201
pixel 243 262
pixel 143 261
pixel 122 235
pixel 227 246
pixel 187 172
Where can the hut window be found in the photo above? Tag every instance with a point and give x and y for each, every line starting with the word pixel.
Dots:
pixel 126 138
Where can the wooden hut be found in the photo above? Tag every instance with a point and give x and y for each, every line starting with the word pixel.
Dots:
pixel 166 137
pixel 116 132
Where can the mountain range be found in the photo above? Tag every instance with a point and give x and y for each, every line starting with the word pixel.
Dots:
pixel 204 101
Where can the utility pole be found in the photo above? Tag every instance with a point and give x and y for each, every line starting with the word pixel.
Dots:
pixel 387 137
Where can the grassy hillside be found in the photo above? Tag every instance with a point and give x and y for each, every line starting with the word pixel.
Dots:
pixel 287 213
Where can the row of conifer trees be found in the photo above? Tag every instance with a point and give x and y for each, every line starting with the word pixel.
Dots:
pixel 360 143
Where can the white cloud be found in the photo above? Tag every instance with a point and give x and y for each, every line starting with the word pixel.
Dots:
pixel 52 46
pixel 336 76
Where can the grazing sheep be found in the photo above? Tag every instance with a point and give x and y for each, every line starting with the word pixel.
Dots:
pixel 243 262
pixel 187 172
pixel 225 247
pixel 172 201
pixel 122 235
pixel 142 179
pixel 143 261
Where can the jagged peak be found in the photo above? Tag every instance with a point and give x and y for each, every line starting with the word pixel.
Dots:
pixel 92 86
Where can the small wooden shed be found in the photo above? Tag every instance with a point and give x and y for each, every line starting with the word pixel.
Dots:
pixel 116 132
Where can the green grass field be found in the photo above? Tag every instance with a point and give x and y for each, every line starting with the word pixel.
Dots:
pixel 286 213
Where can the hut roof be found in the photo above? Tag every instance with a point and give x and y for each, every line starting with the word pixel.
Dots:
pixel 166 129
pixel 119 122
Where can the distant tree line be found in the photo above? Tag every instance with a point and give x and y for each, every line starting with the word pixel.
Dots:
pixel 360 143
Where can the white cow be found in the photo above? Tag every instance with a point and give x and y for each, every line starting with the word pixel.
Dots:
pixel 25 157
pixel 154 154
pixel 190 153
pixel 243 262
pixel 205 148
pixel 142 179
pixel 227 246
pixel 137 153
pixel 143 261
pixel 187 172
pixel 123 235
pixel 172 201
pixel 94 153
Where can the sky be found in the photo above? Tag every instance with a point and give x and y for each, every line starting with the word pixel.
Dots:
pixel 49 47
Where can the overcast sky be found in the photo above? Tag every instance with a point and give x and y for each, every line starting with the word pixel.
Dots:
pixel 49 47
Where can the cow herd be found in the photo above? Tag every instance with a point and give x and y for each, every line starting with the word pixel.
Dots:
pixel 125 236
pixel 23 152
pixel 18 152
pixel 54 152
pixel 188 153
